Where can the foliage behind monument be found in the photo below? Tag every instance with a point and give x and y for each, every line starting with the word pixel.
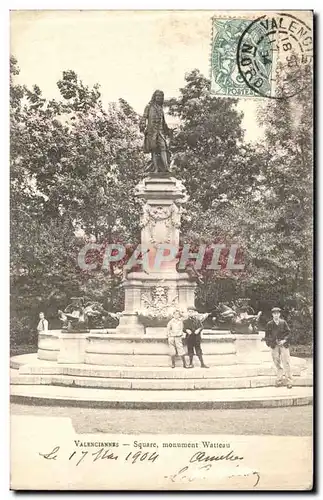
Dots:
pixel 74 165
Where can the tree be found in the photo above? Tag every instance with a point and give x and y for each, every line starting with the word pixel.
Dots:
pixel 289 171
pixel 206 146
pixel 255 195
pixel 222 175
pixel 73 166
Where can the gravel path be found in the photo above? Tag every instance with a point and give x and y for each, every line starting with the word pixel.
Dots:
pixel 289 421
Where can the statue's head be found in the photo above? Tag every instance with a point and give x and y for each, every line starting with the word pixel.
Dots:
pixel 158 97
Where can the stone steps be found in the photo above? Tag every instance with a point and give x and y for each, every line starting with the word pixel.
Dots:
pixel 202 399
pixel 170 384
pixel 36 381
pixel 152 360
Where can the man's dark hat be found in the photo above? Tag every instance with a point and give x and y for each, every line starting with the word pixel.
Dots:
pixel 276 309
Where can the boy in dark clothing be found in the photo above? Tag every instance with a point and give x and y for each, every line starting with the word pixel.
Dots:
pixel 193 327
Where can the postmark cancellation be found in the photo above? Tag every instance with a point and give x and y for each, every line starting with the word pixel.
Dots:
pixel 261 57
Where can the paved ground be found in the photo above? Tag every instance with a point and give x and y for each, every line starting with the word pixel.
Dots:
pixel 293 421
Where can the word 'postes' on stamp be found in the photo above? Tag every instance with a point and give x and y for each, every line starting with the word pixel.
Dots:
pixel 226 79
pixel 275 54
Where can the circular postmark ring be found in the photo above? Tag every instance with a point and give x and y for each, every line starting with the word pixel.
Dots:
pixel 273 53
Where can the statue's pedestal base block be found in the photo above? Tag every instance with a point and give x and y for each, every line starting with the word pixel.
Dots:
pixel 129 323
pixel 151 294
pixel 72 347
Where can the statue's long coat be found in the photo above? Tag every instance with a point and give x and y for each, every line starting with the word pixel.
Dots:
pixel 156 128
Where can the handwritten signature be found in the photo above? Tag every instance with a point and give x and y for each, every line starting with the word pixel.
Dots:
pixel 201 456
pixel 194 471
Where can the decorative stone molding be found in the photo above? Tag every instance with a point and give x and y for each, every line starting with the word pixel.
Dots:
pixel 167 215
pixel 159 303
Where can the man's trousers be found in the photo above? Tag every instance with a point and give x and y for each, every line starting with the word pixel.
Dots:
pixel 281 359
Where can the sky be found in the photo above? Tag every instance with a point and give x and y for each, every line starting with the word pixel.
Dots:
pixel 130 54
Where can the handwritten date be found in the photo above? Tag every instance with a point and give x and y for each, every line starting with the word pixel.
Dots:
pixel 102 454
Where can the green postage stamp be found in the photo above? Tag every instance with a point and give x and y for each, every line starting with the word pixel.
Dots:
pixel 226 79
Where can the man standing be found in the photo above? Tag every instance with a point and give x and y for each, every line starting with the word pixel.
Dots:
pixel 43 323
pixel 175 335
pixel 193 327
pixel 154 126
pixel 277 337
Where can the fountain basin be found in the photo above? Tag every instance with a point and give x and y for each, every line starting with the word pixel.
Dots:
pixel 114 349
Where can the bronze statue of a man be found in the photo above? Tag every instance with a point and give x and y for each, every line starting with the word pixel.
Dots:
pixel 154 126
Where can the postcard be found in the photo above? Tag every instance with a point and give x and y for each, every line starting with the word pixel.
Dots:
pixel 161 184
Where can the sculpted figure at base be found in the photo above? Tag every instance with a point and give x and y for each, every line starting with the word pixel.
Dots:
pixel 73 317
pixel 238 317
pixel 245 322
pixel 154 126
pixel 77 316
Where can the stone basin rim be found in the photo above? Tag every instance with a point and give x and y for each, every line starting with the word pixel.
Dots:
pixel 156 338
pixel 147 337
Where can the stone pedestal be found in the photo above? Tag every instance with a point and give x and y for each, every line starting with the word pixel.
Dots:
pixel 158 289
pixel 129 323
pixel 72 347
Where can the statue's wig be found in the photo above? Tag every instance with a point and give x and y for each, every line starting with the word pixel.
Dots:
pixel 153 97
